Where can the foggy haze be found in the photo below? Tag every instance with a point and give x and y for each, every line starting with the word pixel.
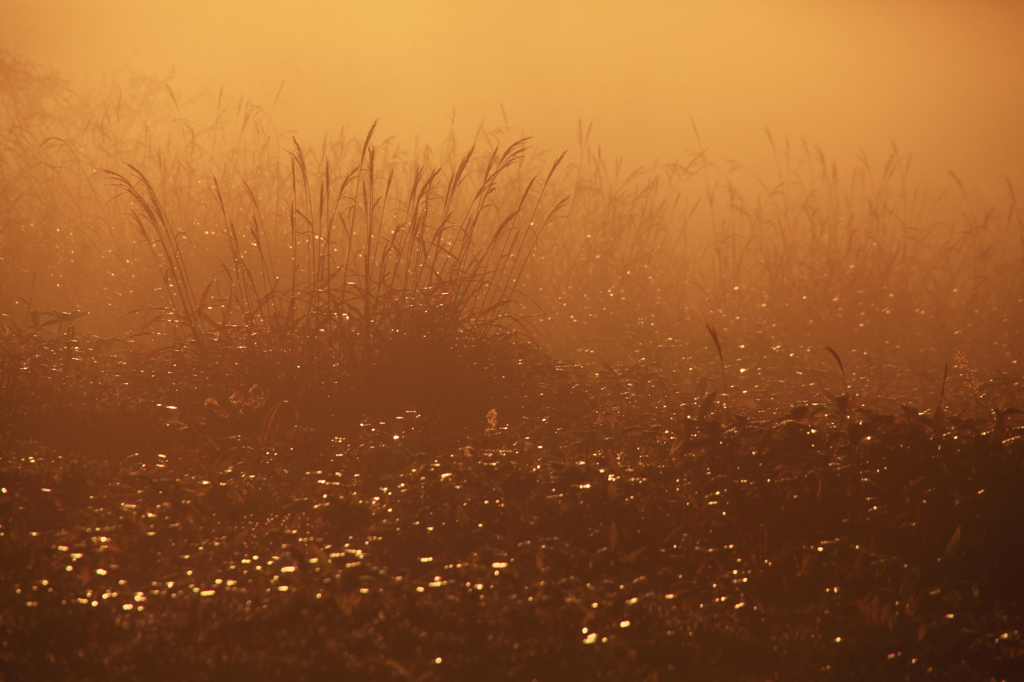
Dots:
pixel 943 81
pixel 719 376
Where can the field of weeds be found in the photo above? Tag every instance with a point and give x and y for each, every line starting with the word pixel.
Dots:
pixel 356 410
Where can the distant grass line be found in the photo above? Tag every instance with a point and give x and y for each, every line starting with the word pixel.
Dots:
pixel 866 259
pixel 355 259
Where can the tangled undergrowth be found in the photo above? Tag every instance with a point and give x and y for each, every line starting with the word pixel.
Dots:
pixel 617 528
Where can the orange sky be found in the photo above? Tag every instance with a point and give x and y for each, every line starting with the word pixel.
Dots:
pixel 943 79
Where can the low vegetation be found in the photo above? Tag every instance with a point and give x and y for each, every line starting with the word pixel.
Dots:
pixel 274 409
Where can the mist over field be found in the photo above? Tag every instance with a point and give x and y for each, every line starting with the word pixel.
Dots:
pixel 909 110
pixel 941 80
pixel 553 341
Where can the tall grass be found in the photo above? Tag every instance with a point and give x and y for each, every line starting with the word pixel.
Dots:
pixel 801 252
pixel 372 277
pixel 383 279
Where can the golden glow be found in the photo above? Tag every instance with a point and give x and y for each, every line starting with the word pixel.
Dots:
pixel 941 80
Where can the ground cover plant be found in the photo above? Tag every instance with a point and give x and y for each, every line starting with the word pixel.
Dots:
pixel 357 411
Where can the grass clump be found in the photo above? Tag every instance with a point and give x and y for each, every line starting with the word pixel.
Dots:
pixel 352 280
pixel 387 287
